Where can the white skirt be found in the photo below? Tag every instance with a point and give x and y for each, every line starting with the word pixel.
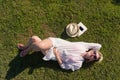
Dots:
pixel 56 42
pixel 50 54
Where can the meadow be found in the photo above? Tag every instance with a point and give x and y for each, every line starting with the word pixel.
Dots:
pixel 21 19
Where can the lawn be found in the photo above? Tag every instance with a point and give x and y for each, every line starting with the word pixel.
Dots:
pixel 21 19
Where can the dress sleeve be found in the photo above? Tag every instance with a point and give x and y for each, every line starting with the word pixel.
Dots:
pixel 73 65
pixel 94 46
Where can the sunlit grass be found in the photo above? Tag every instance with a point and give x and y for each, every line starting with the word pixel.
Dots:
pixel 20 19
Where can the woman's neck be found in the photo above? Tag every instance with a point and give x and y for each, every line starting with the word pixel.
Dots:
pixel 84 54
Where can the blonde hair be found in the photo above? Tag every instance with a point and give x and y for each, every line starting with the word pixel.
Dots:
pixel 101 56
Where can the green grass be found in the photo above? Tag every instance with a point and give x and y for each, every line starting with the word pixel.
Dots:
pixel 20 19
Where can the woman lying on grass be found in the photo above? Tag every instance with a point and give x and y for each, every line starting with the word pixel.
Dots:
pixel 70 55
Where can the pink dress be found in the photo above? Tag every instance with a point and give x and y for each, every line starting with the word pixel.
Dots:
pixel 70 52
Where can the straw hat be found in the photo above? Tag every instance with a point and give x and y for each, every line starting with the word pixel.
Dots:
pixel 74 29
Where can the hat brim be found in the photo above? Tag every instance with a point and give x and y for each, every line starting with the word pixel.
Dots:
pixel 70 34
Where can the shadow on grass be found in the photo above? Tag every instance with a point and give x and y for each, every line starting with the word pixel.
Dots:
pixel 116 2
pixel 88 65
pixel 64 35
pixel 33 61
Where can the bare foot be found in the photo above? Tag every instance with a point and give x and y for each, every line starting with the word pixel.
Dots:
pixel 21 46
pixel 23 53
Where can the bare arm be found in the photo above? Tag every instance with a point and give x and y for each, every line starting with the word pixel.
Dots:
pixel 57 55
pixel 73 66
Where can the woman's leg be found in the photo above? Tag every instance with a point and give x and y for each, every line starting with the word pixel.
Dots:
pixel 37 45
pixel 31 40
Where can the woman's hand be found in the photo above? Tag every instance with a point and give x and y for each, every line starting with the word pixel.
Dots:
pixel 57 55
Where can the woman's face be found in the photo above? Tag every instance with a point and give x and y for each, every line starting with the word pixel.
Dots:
pixel 92 55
